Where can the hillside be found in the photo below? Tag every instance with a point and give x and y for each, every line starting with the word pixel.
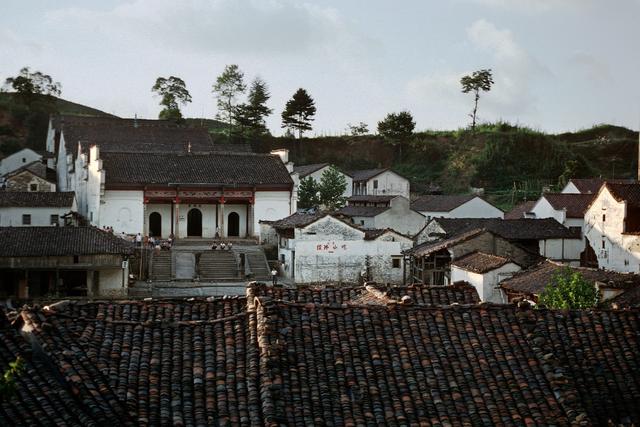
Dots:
pixel 510 162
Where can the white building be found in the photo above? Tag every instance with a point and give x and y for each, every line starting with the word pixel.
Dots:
pixel 379 182
pixel 566 208
pixel 35 176
pixel 322 248
pixel 315 172
pixel 151 177
pixel 485 272
pixel 381 212
pixel 612 227
pixel 29 209
pixel 18 159
pixel 455 206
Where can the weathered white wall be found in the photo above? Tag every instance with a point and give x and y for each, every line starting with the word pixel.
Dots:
pixel 164 210
pixel 123 210
pixel 570 188
pixel 486 284
pixel 270 206
pixel 17 160
pixel 615 250
pixel 331 251
pixel 566 250
pixel 543 209
pixel 474 208
pixel 400 218
pixel 389 183
pixel 113 282
pixel 364 221
pixel 12 217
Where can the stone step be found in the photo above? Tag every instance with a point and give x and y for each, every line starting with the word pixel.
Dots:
pixel 218 265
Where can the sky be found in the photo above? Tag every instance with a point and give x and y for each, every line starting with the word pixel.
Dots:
pixel 558 65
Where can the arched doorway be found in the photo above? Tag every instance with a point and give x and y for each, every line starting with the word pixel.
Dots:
pixel 194 223
pixel 233 224
pixel 155 224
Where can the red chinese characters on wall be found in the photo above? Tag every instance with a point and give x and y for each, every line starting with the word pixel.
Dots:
pixel 331 247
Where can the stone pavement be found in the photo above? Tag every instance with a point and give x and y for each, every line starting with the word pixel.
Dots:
pixel 185 289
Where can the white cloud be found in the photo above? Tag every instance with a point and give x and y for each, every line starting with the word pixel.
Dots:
pixel 222 26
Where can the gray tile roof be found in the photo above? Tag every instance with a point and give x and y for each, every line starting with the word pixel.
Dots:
pixel 520 209
pixel 28 199
pixel 510 229
pixel 59 241
pixel 366 174
pixel 364 211
pixel 440 202
pixel 304 170
pixel 37 168
pixel 480 262
pixel 575 204
pixel 212 169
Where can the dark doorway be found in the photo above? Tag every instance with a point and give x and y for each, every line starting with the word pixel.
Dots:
pixel 194 223
pixel 155 224
pixel 234 225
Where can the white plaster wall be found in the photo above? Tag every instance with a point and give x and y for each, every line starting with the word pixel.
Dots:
pixel 62 166
pixel 620 252
pixel 93 187
pixel 208 218
pixel 270 206
pixel 113 282
pixel 567 250
pixel 543 209
pixel 477 280
pixel 364 221
pixel 486 284
pixel 164 210
pixel 389 183
pixel 123 210
pixel 476 208
pixel 400 218
pixel 570 188
pixel 17 160
pixel 12 217
pixel 241 210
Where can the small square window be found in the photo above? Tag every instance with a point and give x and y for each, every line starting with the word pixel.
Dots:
pixel 55 219
pixel 375 183
pixel 26 219
pixel 24 160
pixel 33 187
pixel 395 262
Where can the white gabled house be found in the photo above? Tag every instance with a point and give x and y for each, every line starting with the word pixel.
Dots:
pixel 379 182
pixel 484 272
pixel 316 248
pixel 455 206
pixel 31 209
pixel 612 227
pixel 381 212
pixel 316 170
pixel 18 159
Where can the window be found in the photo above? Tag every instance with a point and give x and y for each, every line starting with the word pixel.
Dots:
pixel 576 230
pixel 603 244
pixel 26 219
pixel 375 183
pixel 54 219
pixel 33 187
pixel 395 262
pixel 24 160
pixel 604 217
pixel 361 222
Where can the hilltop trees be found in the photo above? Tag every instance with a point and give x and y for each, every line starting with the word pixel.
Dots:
pixel 173 91
pixel 396 128
pixel 358 129
pixel 250 116
pixel 298 113
pixel 477 81
pixel 228 86
pixel 28 85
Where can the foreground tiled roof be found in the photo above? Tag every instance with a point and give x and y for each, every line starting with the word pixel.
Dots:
pixel 575 204
pixel 304 170
pixel 480 262
pixel 36 199
pixel 214 169
pixel 440 202
pixel 364 211
pixel 59 241
pixel 520 210
pixel 313 356
pixel 533 281
pixel 510 229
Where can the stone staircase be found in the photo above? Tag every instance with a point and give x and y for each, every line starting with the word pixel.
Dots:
pixel 257 261
pixel 161 266
pixel 218 266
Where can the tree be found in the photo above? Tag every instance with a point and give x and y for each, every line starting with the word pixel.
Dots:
pixel 29 84
pixel 477 81
pixel 8 381
pixel 226 89
pixel 298 113
pixel 569 290
pixel 308 193
pixel 358 129
pixel 250 116
pixel 332 187
pixel 173 92
pixel 397 128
